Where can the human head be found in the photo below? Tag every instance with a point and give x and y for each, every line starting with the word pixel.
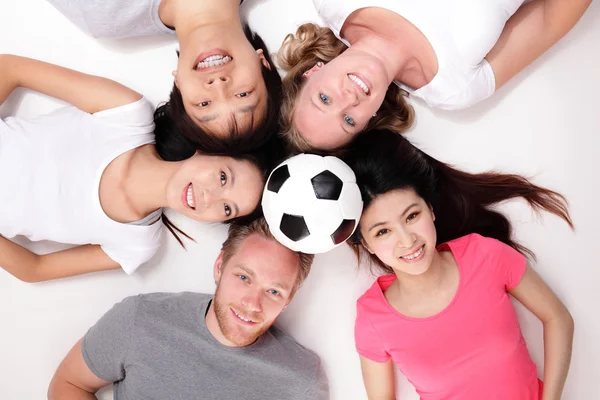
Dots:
pixel 212 188
pixel 384 162
pixel 310 58
pixel 251 69
pixel 256 279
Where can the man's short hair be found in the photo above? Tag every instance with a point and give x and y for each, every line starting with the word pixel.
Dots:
pixel 240 232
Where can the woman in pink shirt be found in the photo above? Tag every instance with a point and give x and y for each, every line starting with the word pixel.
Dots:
pixel 443 313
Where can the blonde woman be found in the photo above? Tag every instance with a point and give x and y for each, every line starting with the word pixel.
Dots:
pixel 451 54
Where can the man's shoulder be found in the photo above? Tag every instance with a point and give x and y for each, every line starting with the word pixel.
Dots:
pixel 290 351
pixel 169 303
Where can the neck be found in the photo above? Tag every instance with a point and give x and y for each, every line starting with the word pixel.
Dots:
pixel 427 282
pixel 187 16
pixel 147 178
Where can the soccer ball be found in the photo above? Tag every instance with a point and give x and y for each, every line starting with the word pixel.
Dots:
pixel 312 203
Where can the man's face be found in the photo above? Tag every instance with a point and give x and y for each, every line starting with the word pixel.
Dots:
pixel 253 288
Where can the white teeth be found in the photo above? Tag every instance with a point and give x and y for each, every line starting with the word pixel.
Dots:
pixel 213 61
pixel 359 82
pixel 190 197
pixel 242 318
pixel 414 255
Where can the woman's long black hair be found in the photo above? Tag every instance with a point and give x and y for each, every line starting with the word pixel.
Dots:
pixel 384 161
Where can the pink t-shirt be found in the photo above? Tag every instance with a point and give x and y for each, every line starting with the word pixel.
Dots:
pixel 473 349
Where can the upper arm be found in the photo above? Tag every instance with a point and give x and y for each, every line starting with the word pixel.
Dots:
pixel 70 262
pixel 534 28
pixel 73 373
pixel 87 92
pixel 538 298
pixel 378 378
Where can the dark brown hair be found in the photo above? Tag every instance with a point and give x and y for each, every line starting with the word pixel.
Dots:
pixel 384 161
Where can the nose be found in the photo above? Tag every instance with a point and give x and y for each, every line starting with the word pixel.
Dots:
pixel 405 239
pixel 252 301
pixel 349 98
pixel 221 79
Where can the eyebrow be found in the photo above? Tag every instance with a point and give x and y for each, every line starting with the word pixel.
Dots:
pixel 253 275
pixel 385 222
pixel 245 109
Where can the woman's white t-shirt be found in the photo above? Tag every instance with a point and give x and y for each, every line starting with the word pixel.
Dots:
pixel 461 33
pixel 51 167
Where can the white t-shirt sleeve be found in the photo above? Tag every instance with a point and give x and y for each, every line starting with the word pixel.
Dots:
pixel 481 86
pixel 129 259
pixel 137 115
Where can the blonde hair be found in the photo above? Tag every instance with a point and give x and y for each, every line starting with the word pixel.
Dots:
pixel 240 232
pixel 300 52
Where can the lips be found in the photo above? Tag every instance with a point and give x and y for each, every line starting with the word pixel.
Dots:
pixel 361 82
pixel 211 60
pixel 188 197
pixel 241 318
pixel 414 256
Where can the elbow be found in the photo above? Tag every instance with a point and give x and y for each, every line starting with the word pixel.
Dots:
pixel 31 274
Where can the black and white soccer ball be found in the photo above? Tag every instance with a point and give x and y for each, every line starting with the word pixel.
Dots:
pixel 312 203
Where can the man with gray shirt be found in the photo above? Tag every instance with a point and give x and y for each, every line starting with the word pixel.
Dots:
pixel 199 346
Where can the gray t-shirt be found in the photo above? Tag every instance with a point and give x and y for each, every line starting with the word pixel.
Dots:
pixel 114 18
pixel 157 346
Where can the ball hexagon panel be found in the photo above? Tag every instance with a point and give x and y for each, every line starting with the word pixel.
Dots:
pixel 297 195
pixel 305 166
pixel 350 201
pixel 339 168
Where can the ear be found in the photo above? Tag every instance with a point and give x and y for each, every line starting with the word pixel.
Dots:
pixel 432 213
pixel 366 246
pixel 312 70
pixel 174 73
pixel 263 59
pixel 218 268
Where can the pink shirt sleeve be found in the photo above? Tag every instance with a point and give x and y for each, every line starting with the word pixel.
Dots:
pixel 510 265
pixel 368 342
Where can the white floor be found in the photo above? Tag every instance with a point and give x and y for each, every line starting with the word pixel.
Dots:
pixel 545 124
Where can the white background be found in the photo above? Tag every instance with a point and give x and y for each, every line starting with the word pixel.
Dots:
pixel 544 123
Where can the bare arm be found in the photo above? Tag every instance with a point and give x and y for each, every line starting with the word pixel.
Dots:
pixel 532 30
pixel 379 379
pixel 73 379
pixel 534 294
pixel 87 92
pixel 30 267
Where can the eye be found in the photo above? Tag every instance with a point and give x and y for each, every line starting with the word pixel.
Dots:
pixel 227 210
pixel 349 120
pixel 243 278
pixel 382 232
pixel 412 216
pixel 324 98
pixel 223 178
pixel 204 104
pixel 243 94
pixel 274 292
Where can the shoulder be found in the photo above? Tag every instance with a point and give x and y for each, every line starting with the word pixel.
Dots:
pixel 373 299
pixel 293 354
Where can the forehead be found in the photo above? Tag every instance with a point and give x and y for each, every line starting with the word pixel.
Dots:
pixel 321 130
pixel 267 259
pixel 391 203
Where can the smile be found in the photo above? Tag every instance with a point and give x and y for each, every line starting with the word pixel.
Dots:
pixel 415 255
pixel 243 319
pixel 189 197
pixel 360 83
pixel 215 60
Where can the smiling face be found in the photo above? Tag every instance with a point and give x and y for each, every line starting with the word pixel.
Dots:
pixel 398 227
pixel 214 188
pixel 220 80
pixel 253 288
pixel 339 98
